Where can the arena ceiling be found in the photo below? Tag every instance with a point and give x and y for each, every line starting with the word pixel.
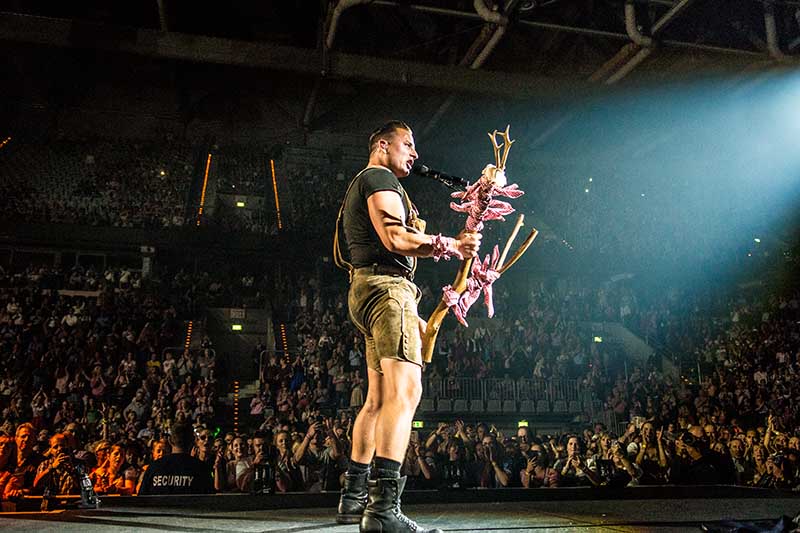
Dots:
pixel 511 50
pixel 559 39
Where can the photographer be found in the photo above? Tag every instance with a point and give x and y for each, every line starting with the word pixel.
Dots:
pixel 697 464
pixel 57 471
pixel 260 478
pixel 537 472
pixel 513 462
pixel 618 471
pixel 320 454
pixel 439 439
pixel 454 472
pixel 419 465
pixel 780 474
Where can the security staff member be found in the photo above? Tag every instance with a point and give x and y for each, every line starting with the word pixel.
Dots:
pixel 178 472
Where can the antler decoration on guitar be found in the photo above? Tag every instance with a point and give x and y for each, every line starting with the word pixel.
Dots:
pixel 479 204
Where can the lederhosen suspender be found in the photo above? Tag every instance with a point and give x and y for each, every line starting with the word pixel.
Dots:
pixel 416 224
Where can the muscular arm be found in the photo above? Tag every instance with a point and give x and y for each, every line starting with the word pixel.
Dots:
pixel 386 213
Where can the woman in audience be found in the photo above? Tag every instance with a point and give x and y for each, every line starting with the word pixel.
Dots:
pixel 236 472
pixel 288 476
pixel 114 475
pixel 10 485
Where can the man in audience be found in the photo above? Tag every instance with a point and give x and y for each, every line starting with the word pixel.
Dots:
pixel 261 478
pixel 57 472
pixel 138 406
pixel 27 460
pixel 743 468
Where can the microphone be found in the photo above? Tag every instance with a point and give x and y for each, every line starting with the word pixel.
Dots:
pixel 447 179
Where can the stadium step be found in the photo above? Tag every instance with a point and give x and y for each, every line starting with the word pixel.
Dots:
pixel 246 392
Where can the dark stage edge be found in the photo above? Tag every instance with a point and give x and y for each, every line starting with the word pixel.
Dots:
pixel 667 509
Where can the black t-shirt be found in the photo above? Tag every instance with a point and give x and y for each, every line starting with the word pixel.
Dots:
pixel 711 469
pixel 363 243
pixel 177 473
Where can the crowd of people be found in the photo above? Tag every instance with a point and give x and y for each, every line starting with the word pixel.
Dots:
pixel 102 392
pixel 94 383
pixel 97 183
pixel 101 371
pixel 312 456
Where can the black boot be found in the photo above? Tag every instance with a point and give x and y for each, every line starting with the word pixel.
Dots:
pixel 383 514
pixel 353 499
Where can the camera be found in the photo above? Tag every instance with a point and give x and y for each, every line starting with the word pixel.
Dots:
pixel 688 438
pixel 605 468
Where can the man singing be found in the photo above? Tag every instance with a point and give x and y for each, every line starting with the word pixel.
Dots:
pixel 384 238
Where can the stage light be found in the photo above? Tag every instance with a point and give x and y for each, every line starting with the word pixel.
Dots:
pixel 597 339
pixel 203 191
pixel 275 190
pixel 757 240
pixel 586 190
pixel 162 173
pixel 590 180
pixel 239 204
pixel 236 327
pixel 522 424
pixel 417 424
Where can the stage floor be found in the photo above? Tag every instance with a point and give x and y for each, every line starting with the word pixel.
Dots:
pixel 656 515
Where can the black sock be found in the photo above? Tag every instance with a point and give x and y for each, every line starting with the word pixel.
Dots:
pixel 357 469
pixel 385 468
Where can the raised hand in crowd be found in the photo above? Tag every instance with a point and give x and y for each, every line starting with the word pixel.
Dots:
pixel 460 433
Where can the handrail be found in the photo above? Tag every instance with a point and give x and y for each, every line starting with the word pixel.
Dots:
pixel 464 388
